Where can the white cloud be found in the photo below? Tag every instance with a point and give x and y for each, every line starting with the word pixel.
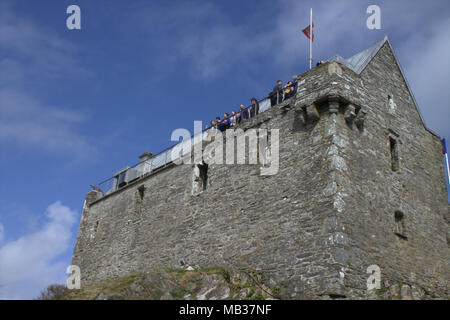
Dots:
pixel 426 68
pixel 34 58
pixel 28 122
pixel 30 263
pixel 32 52
pixel 214 44
pixel 202 34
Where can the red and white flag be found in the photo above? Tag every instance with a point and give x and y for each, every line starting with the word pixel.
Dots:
pixel 307 32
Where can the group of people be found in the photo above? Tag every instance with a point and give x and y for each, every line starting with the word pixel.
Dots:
pixel 280 93
pixel 230 121
pixel 277 95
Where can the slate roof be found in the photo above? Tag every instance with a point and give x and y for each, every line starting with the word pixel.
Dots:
pixel 359 62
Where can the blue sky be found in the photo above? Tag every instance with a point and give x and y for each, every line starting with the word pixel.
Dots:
pixel 77 105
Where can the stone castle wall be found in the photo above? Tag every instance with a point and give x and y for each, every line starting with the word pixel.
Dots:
pixel 374 192
pixel 314 227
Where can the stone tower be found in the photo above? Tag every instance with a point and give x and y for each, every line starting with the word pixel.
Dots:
pixel 360 183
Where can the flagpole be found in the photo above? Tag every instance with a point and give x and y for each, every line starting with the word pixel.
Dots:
pixel 310 40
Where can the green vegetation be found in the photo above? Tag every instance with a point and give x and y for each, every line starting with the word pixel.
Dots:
pixel 276 291
pixel 166 283
pixel 179 293
pixel 381 291
pixel 259 296
pixel 53 292
pixel 251 292
pixel 400 285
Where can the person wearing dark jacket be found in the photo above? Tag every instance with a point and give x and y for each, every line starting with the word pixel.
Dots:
pixel 220 125
pixel 254 108
pixel 243 114
pixel 289 90
pixel 226 121
pixel 276 96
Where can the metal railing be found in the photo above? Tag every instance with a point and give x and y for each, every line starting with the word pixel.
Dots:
pixel 164 157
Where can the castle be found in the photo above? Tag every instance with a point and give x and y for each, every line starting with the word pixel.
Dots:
pixel 360 183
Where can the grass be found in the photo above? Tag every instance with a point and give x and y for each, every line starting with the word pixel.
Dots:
pixel 180 292
pixel 177 282
pixel 276 291
pixel 400 285
pixel 381 291
pixel 259 296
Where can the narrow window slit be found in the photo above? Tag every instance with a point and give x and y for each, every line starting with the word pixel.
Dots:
pixel 203 170
pixel 141 190
pixel 393 145
pixel 399 228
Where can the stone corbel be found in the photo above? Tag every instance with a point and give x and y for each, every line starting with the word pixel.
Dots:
pixel 360 118
pixel 309 113
pixel 350 113
pixel 303 115
pixel 312 113
pixel 333 104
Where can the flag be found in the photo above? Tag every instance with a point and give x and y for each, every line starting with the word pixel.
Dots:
pixel 307 32
pixel 444 147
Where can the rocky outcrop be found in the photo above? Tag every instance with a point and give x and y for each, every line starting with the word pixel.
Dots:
pixel 213 283
pixel 218 283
